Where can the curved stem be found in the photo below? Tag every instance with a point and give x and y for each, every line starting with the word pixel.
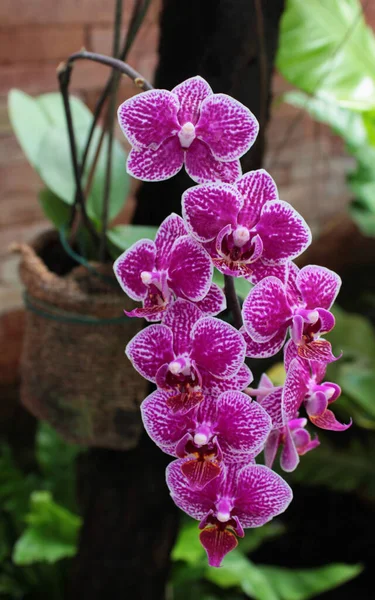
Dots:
pixel 109 61
pixel 232 301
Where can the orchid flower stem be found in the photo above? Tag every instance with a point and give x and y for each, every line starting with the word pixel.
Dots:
pixel 111 111
pixel 232 301
pixel 64 79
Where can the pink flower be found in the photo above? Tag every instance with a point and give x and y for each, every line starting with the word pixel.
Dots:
pixel 227 429
pixel 156 273
pixel 238 498
pixel 301 304
pixel 246 229
pixel 189 355
pixel 295 442
pixel 208 132
pixel 304 387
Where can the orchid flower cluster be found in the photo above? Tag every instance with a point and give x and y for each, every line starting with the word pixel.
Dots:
pixel 202 412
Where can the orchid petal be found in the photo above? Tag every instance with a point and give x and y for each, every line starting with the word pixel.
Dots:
pixel 217 347
pixel 164 427
pixel 266 310
pixel 214 302
pixel 319 286
pixel 261 495
pixel 272 405
pixel 290 353
pixel 172 228
pixel 327 320
pixel 316 405
pixel 196 503
pixel 203 167
pixel 130 264
pixel 328 421
pixel 150 313
pixel 264 349
pixel 289 458
pixel 180 318
pixel 215 386
pixel 149 118
pixel 285 234
pixel 296 330
pixel 295 388
pixel 228 127
pixel 191 94
pixel 147 164
pixel 217 543
pixel 271 447
pixel 210 207
pixel 256 188
pixel 260 270
pixel 190 269
pixel 149 349
pixel 319 350
pixel 242 426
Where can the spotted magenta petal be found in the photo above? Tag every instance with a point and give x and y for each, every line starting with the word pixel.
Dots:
pixel 209 132
pixel 214 301
pixel 228 428
pixel 238 498
pixel 255 233
pixel 172 266
pixel 272 307
pixel 264 349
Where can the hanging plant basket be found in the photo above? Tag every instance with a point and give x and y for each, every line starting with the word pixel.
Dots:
pixel 73 371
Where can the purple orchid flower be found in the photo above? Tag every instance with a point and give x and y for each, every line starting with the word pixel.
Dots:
pixel 303 386
pixel 192 125
pixel 172 266
pixel 246 229
pixel 189 355
pixel 302 304
pixel 229 428
pixel 295 442
pixel 240 497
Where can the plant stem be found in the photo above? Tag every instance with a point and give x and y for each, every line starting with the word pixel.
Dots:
pixel 64 80
pixel 232 301
pixel 110 129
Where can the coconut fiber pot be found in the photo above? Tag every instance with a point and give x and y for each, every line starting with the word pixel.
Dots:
pixel 74 373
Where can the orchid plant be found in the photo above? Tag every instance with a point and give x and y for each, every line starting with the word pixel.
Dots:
pixel 202 412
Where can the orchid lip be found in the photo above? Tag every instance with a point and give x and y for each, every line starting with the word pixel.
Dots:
pixel 187 134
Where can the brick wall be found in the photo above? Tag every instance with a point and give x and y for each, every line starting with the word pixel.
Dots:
pixel 36 35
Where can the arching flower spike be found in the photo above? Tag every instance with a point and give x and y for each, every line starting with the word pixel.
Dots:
pixel 208 132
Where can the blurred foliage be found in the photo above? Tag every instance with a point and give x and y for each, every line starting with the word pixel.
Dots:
pixel 38 524
pixel 328 52
pixel 40 126
pixel 238 573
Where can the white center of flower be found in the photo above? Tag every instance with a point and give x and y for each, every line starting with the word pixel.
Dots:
pixel 175 367
pixel 223 517
pixel 241 236
pixel 200 439
pixel 187 135
pixel 146 277
pixel 313 316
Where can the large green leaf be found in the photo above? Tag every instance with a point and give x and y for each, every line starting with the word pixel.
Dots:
pixel 51 533
pixel 55 209
pixel 123 236
pixel 302 584
pixel 326 48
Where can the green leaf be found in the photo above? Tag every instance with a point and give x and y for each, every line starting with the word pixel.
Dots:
pixel 123 236
pixel 10 588
pixel 359 383
pixel 302 584
pixel 53 109
pixel 237 570
pixel 188 547
pixel 55 209
pixel 257 536
pixel 327 48
pixel 51 533
pixel 353 335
